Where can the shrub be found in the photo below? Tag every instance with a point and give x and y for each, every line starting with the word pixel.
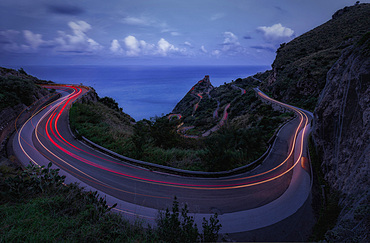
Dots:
pixel 177 226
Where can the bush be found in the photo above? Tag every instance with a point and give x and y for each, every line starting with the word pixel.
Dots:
pixel 32 181
pixel 177 226
pixel 46 210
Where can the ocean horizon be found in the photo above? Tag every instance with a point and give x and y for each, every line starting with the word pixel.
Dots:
pixel 142 91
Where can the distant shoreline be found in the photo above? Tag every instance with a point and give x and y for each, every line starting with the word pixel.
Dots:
pixel 142 91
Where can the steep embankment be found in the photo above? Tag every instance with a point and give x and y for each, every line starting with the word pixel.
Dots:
pixel 299 70
pixel 342 135
pixel 18 90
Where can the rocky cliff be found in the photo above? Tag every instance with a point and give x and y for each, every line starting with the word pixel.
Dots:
pixel 342 135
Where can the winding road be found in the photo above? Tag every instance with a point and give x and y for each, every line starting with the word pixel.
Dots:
pixel 270 193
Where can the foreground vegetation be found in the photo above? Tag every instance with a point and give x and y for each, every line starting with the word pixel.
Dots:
pixel 36 206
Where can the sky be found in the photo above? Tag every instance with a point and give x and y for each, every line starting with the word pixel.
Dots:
pixel 154 32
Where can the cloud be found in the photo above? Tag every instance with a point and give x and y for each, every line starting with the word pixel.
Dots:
pixel 134 47
pixel 34 40
pixel 175 33
pixel 8 40
pixel 79 27
pixel 266 47
pixel 230 39
pixel 164 47
pixel 8 36
pixel 64 9
pixel 115 47
pixel 231 44
pixel 216 52
pixel 79 42
pixel 142 21
pixel 11 41
pixel 203 49
pixel 187 43
pixel 276 33
pixel 217 16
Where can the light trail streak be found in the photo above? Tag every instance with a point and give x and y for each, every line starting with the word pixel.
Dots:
pixel 21 139
pixel 75 94
pixel 294 138
pixel 172 184
pixel 92 179
pixel 51 130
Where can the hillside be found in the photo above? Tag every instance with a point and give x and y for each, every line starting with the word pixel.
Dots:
pixel 18 90
pixel 210 129
pixel 327 70
pixel 17 87
pixel 299 70
pixel 205 108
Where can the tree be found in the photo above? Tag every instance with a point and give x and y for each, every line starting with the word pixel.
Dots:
pixel 110 103
pixel 163 132
pixel 21 70
pixel 141 136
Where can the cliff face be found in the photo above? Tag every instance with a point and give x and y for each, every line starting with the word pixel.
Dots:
pixel 342 135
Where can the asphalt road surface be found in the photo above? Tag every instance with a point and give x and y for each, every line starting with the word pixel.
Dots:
pixel 268 194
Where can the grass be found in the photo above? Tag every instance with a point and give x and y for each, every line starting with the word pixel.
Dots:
pixel 102 125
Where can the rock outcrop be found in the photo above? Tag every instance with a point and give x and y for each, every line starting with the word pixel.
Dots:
pixel 196 93
pixel 342 135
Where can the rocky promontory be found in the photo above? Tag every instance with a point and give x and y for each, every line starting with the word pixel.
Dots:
pixel 196 93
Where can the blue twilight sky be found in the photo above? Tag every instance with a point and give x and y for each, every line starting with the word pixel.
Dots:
pixel 223 32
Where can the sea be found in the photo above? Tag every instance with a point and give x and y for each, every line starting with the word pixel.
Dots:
pixel 143 92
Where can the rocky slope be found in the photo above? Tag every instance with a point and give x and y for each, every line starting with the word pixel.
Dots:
pixel 189 104
pixel 342 135
pixel 299 70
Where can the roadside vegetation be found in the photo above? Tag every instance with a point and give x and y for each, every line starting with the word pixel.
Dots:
pixel 242 139
pixel 102 124
pixel 36 206
pixel 17 87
